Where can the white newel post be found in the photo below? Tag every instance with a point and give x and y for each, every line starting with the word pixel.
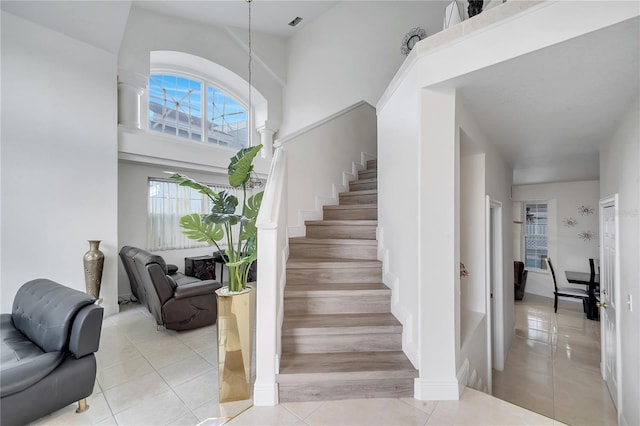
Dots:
pixel 266 139
pixel 131 88
pixel 272 226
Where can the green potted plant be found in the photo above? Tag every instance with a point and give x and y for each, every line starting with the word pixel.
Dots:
pixel 219 225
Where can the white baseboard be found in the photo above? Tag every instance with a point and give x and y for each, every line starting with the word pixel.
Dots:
pixel 110 310
pixel 265 395
pixel 437 389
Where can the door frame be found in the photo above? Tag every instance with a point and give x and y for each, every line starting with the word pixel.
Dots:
pixel 494 264
pixel 612 201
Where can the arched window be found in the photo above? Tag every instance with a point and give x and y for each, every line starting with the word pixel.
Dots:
pixel 196 109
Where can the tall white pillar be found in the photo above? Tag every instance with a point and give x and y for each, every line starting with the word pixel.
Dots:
pixel 131 91
pixel 266 139
pixel 438 265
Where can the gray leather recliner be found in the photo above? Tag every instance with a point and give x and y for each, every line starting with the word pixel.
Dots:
pixel 47 351
pixel 176 301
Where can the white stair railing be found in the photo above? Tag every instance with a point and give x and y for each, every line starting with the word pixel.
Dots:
pixel 272 254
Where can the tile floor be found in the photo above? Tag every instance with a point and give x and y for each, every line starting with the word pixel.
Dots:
pixel 158 377
pixel 553 367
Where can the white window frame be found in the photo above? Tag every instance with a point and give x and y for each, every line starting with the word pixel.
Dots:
pixel 525 233
pixel 205 81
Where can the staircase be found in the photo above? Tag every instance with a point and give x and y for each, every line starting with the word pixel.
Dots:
pixel 339 338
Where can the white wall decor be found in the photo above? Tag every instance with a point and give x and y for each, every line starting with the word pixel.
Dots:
pixel 586 210
pixel 587 235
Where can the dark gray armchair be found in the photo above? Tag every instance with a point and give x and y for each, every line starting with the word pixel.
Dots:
pixel 176 301
pixel 47 351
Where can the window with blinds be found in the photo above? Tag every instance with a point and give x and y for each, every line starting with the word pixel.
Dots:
pixel 535 235
pixel 168 202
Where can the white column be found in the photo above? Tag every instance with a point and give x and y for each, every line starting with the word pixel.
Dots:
pixel 266 139
pixel 438 248
pixel 131 88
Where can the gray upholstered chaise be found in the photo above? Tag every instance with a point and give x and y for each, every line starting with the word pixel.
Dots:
pixel 47 351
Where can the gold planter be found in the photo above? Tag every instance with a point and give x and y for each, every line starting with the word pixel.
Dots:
pixel 235 338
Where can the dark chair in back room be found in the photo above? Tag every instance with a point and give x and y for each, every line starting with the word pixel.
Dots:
pixel 575 293
pixel 519 279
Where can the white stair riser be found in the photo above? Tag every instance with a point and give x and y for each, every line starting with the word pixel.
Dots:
pixel 342 275
pixel 337 304
pixel 342 343
pixel 360 232
pixel 335 390
pixel 333 251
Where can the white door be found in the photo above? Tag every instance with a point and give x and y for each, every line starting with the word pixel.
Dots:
pixel 609 295
pixel 494 285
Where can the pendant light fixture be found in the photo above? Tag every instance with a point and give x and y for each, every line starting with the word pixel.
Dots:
pixel 250 109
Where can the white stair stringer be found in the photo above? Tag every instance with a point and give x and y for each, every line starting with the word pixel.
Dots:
pixel 391 280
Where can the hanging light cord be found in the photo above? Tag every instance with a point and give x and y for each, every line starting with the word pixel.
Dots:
pixel 249 118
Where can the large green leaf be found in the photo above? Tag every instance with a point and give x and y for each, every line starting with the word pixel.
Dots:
pixel 253 205
pixel 197 229
pixel 241 166
pixel 187 181
pixel 225 203
pixel 224 209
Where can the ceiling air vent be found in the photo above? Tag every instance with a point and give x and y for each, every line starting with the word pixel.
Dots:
pixel 295 22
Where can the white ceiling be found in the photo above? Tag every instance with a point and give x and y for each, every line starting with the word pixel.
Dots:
pixel 99 23
pixel 548 112
pixel 271 17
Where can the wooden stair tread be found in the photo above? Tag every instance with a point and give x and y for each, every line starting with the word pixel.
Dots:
pixel 296 325
pixel 365 180
pixel 336 289
pixel 325 262
pixel 336 241
pixel 363 192
pixel 345 366
pixel 351 206
pixel 346 222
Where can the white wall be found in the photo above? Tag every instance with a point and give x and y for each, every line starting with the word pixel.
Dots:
pixel 147 31
pixel 349 54
pixel 398 167
pixel 472 228
pixel 59 158
pixel 320 163
pixel 568 252
pixel 619 173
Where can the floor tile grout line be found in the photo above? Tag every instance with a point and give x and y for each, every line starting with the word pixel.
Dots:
pixel 308 415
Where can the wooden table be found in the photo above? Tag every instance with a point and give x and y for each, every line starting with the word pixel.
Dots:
pixel 592 281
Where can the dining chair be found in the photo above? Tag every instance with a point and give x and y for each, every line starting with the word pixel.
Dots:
pixel 594 267
pixel 572 292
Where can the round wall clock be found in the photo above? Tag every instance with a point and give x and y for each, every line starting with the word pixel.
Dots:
pixel 411 38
